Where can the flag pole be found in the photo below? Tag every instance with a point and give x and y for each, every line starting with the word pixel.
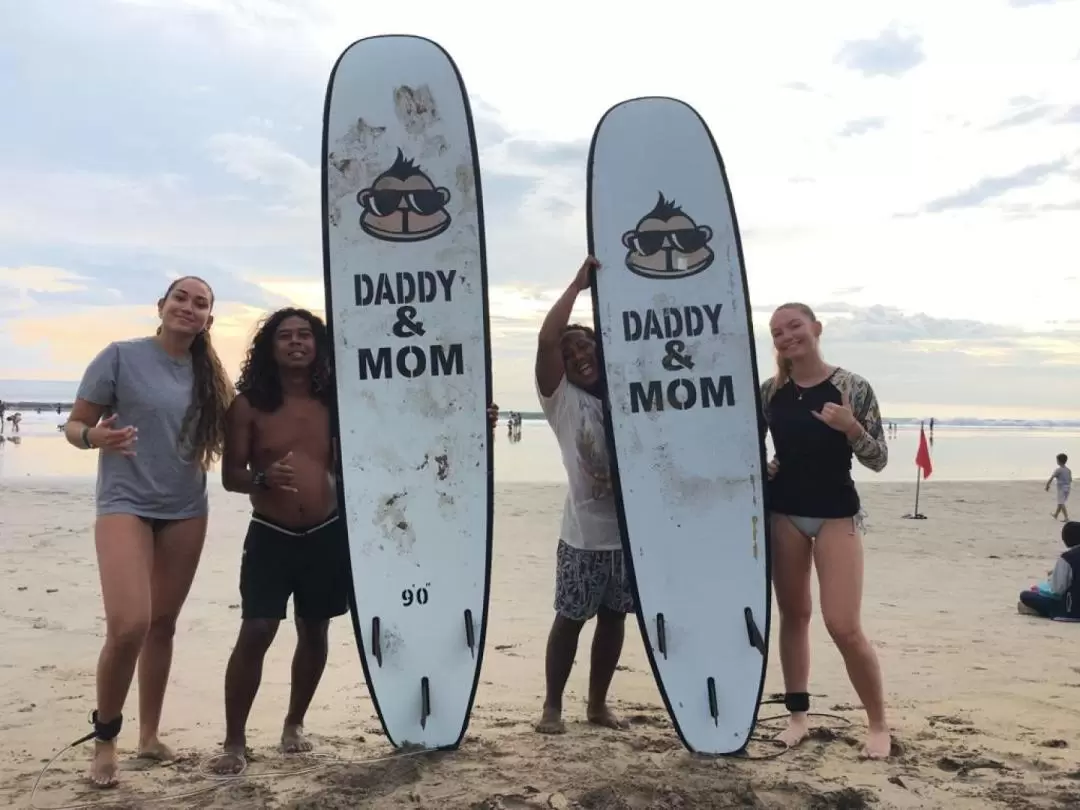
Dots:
pixel 916 515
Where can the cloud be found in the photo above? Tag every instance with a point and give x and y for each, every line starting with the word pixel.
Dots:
pixel 1031 209
pixel 911 357
pixel 1029 110
pixel 892 53
pixel 1034 112
pixel 1030 3
pixel 257 159
pixel 41 280
pixel 184 136
pixel 861 126
pixel 989 188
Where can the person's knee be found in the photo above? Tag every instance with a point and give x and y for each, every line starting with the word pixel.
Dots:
pixel 565 627
pixel 845 631
pixel 162 628
pixel 256 635
pixel 127 632
pixel 795 606
pixel 610 618
pixel 313 634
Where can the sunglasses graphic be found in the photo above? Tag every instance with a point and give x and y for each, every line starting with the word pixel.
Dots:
pixel 381 203
pixel 684 240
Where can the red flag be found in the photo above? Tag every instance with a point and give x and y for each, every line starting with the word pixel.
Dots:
pixel 922 457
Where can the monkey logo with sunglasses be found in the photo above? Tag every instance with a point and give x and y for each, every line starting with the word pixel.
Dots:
pixel 667 243
pixel 403 205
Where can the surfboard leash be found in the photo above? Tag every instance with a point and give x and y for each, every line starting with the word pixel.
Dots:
pixel 793 702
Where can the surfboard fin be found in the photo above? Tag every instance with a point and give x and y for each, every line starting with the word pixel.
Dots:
pixel 661 635
pixel 757 640
pixel 714 704
pixel 470 632
pixel 376 643
pixel 425 701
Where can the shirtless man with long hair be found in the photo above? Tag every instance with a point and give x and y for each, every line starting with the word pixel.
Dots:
pixel 280 451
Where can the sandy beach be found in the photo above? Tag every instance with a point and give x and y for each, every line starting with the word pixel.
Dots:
pixel 984 701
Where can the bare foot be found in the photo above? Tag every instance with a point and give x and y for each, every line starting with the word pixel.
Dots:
pixel 797 728
pixel 156 750
pixel 232 761
pixel 104 764
pixel 551 722
pixel 605 717
pixel 878 744
pixel 293 740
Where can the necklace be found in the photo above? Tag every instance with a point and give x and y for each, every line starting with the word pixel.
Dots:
pixel 799 390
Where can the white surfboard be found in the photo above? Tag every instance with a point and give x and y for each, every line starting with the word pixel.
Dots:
pixel 406 289
pixel 677 348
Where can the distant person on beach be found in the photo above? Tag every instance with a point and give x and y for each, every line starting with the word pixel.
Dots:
pixel 820 416
pixel 1063 476
pixel 280 452
pixel 1059 595
pixel 163 400
pixel 590 574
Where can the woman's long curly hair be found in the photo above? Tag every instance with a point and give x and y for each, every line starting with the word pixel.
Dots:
pixel 260 379
pixel 202 432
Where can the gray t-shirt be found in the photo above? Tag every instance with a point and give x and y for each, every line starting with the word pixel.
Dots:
pixel 146 387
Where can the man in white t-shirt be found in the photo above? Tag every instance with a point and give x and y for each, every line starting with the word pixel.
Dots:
pixel 590 577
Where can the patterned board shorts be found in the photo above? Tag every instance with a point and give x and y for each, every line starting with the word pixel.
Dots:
pixel 586 580
pixel 1063 495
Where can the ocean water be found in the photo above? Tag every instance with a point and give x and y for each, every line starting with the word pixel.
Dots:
pixel 960 453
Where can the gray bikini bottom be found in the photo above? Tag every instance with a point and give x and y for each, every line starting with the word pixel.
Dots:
pixel 811 526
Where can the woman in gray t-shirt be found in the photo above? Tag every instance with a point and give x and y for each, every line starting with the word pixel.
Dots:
pixel 163 400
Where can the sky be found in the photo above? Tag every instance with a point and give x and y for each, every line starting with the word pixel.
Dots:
pixel 909 169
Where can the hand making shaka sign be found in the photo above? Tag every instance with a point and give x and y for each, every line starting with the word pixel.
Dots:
pixel 838 417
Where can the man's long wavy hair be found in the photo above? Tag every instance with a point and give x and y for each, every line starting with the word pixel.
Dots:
pixel 202 432
pixel 260 378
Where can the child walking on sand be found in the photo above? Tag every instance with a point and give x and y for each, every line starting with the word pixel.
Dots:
pixel 1063 475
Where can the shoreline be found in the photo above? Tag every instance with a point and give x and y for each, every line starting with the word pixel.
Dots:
pixel 32 481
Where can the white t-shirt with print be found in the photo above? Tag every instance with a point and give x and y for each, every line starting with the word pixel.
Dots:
pixel 589 518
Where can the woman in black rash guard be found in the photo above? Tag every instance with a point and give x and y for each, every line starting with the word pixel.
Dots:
pixel 820 416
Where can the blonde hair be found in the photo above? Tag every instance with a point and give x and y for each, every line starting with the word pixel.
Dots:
pixel 783 367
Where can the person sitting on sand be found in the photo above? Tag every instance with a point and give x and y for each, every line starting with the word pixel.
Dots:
pixel 590 576
pixel 1059 596
pixel 1063 476
pixel 170 392
pixel 820 416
